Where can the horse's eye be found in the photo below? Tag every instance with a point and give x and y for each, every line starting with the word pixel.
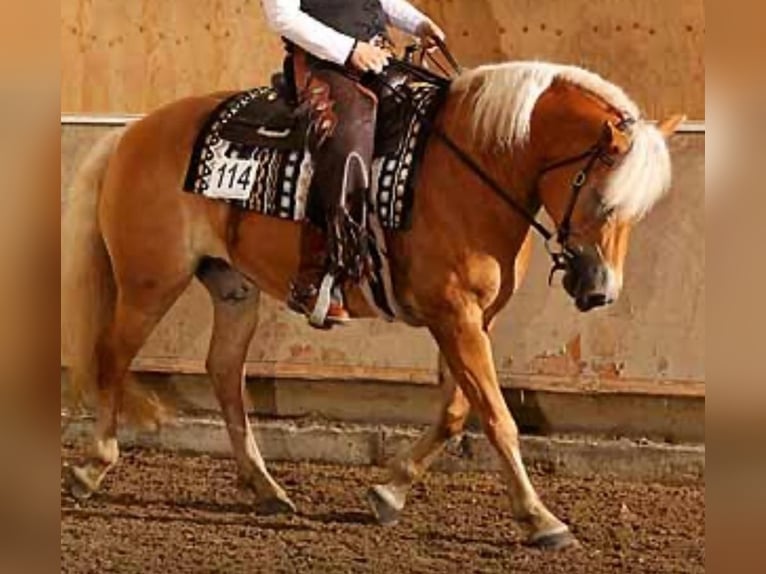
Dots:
pixel 607 211
pixel 603 209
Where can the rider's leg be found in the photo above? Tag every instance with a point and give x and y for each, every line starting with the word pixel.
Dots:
pixel 342 139
pixel 304 290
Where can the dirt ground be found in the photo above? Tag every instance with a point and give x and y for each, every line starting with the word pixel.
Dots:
pixel 170 513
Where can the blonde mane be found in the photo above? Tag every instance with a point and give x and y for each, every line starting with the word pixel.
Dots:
pixel 504 97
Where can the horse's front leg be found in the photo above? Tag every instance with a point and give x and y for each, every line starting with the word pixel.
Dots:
pixel 409 466
pixel 465 344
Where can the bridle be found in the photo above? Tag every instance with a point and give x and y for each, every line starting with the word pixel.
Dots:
pixel 562 254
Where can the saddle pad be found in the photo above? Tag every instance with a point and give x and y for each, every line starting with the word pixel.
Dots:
pixel 277 182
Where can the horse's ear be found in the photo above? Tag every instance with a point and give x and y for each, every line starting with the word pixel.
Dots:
pixel 616 141
pixel 669 125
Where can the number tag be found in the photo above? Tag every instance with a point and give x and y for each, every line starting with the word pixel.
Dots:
pixel 231 178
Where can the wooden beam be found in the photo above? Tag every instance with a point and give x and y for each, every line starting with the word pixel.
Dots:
pixel 516 381
pixel 311 372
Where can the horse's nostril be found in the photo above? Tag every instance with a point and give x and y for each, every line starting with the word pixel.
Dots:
pixel 597 300
pixel 591 301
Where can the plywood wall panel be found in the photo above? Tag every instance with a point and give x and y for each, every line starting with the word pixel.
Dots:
pixel 653 48
pixel 655 331
pixel 133 56
pixel 652 337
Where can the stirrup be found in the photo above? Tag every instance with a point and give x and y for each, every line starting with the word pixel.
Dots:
pixel 322 306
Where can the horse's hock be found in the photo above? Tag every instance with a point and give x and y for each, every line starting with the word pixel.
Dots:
pixel 633 372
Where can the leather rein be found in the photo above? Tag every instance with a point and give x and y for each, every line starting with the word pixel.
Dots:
pixel 562 256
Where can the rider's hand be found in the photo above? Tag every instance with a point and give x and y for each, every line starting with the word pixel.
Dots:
pixel 369 58
pixel 427 31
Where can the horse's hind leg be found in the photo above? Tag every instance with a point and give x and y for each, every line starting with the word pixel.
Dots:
pixel 138 310
pixel 235 302
pixel 388 500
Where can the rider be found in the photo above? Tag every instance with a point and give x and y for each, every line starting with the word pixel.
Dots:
pixel 331 44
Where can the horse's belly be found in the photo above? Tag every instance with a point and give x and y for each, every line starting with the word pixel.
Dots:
pixel 266 249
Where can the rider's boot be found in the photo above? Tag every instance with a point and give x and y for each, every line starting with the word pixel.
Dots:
pixel 312 284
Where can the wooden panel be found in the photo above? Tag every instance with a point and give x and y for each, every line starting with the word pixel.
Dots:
pixel 652 48
pixel 652 342
pixel 655 332
pixel 285 346
pixel 592 384
pixel 133 56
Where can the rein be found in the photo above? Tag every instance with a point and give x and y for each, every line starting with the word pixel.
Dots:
pixel 459 152
pixel 562 257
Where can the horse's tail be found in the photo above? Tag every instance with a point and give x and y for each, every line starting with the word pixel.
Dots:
pixel 88 288
pixel 87 281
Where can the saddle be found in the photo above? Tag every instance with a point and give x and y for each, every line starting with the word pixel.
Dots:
pixel 274 120
pixel 252 153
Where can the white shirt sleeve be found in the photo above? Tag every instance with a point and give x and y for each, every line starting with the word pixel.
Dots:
pixel 286 18
pixel 403 15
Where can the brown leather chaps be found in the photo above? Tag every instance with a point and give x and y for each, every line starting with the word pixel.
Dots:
pixel 341 141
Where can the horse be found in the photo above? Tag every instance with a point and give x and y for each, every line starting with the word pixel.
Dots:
pixel 516 138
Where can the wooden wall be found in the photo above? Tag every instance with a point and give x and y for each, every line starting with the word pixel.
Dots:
pixel 652 341
pixel 131 56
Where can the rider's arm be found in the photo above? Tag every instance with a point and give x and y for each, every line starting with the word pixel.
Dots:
pixel 287 19
pixel 403 15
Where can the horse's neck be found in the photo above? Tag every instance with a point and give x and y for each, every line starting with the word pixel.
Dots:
pixel 515 172
pixel 566 120
pixel 461 232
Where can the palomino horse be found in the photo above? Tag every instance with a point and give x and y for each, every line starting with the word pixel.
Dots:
pixel 135 241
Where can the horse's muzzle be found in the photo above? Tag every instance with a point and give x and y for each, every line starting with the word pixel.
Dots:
pixel 590 282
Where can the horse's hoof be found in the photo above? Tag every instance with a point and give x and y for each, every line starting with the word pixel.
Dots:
pixel 276 505
pixel 78 484
pixel 386 513
pixel 554 541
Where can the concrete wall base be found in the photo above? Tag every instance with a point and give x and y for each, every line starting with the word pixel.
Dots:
pixel 660 418
pixel 351 444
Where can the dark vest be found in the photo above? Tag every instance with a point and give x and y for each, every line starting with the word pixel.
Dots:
pixel 360 19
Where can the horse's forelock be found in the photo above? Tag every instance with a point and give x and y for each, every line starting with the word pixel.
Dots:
pixel 643 176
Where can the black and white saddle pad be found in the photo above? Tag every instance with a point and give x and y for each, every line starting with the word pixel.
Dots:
pixel 277 182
